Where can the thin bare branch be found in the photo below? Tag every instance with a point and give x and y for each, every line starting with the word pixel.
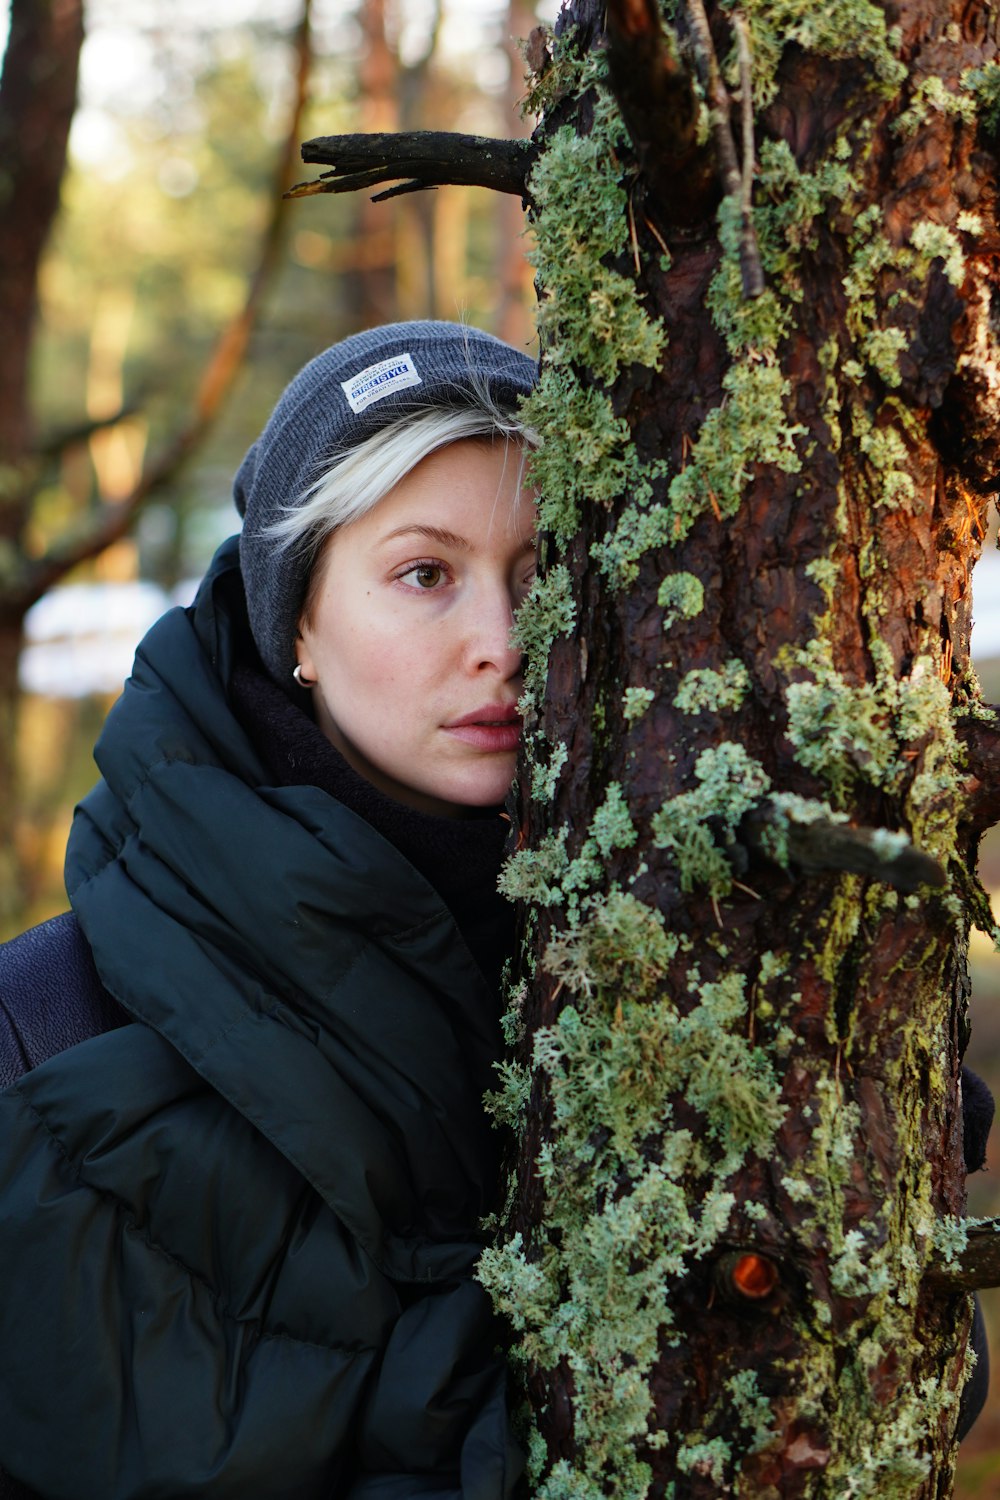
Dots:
pixel 113 521
pixel 973 1267
pixel 746 111
pixel 415 160
pixel 720 108
pixel 58 443
pixel 657 100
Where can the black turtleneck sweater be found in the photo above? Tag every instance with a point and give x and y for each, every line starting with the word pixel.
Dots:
pixel 460 857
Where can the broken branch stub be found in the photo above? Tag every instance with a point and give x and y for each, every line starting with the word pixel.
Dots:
pixel 415 160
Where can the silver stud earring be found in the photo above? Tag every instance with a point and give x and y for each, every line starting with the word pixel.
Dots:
pixel 303 682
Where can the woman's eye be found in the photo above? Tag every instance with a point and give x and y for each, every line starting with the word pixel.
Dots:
pixel 424 575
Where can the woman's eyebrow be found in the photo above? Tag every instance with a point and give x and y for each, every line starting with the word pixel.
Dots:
pixel 434 533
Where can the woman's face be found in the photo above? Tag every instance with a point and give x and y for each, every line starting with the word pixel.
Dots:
pixel 407 631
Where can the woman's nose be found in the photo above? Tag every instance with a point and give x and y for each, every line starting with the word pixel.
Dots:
pixel 490 645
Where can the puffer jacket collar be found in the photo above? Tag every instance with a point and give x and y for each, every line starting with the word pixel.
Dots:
pixel 254 927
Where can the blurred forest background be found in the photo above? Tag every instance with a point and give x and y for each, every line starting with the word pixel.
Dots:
pixel 175 300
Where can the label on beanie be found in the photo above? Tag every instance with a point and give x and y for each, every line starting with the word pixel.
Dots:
pixel 380 380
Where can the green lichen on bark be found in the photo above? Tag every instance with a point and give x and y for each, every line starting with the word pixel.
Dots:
pixel 983 84
pixel 589 314
pixel 695 827
pixel 635 702
pixel 635 1194
pixel 681 596
pixel 840 29
pixel 710 689
pixel 598 1297
pixel 548 611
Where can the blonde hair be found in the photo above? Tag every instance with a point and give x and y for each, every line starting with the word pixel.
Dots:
pixel 356 480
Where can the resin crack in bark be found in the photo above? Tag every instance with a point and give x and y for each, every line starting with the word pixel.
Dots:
pixel 657 101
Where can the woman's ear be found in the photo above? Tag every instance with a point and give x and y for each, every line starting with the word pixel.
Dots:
pixel 305 674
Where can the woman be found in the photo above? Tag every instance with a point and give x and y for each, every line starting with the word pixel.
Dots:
pixel 243 1218
pixel 242 1229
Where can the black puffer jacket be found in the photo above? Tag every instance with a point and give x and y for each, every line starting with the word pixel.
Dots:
pixel 251 1222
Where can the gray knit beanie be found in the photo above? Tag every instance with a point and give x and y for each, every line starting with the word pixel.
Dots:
pixel 343 396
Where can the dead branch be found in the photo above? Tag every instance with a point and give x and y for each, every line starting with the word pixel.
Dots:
pixel 658 104
pixel 720 107
pixel 58 443
pixel 975 1266
pixel 981 739
pixel 821 846
pixel 417 159
pixel 113 521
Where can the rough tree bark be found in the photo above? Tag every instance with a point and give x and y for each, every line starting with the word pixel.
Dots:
pixel 757 765
pixel 37 100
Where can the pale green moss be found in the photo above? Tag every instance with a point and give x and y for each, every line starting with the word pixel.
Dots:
pixel 706 1459
pixel 950 1236
pixel 536 875
pixel 597 1296
pixel 730 782
pixel 681 596
pixel 824 571
pixel 590 313
pixel 885 450
pixel 586 453
pixel 840 732
pixel 545 777
pixel 548 611
pixel 838 29
pixel 937 241
pixel 618 941
pixel 612 826
pixel 797 1189
pixel 636 702
pixel 930 97
pixel 507 1104
pixel 749 428
pixel 704 689
pixel 639 530
pixel 882 350
pixel 983 84
pixel 754 1410
pixel 772 966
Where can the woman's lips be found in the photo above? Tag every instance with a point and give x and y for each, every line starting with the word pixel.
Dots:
pixel 495 727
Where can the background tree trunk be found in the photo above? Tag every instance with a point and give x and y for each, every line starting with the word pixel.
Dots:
pixel 37 99
pixel 737 1075
pixel 375 292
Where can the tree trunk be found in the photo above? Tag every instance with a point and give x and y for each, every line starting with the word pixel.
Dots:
pixel 748 830
pixel 374 293
pixel 10 883
pixel 37 95
pixel 37 99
